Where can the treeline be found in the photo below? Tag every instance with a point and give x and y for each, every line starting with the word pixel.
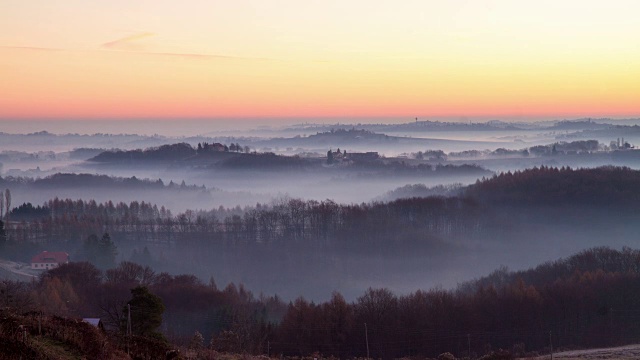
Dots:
pixel 233 156
pixel 66 180
pixel 593 260
pixel 172 152
pixel 610 186
pixel 593 305
pixel 204 147
pixel 558 148
pixel 421 190
pixel 169 152
pixel 411 223
pixel 401 168
pixel 581 301
pixel 352 133
pixel 290 223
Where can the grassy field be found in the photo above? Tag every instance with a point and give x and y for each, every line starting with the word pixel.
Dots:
pixel 10 270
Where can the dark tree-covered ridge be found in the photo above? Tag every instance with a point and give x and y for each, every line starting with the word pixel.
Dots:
pixel 172 152
pixel 225 158
pixel 603 186
pixel 585 300
pixel 402 223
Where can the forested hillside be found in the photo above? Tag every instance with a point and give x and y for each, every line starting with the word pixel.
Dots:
pixel 278 244
pixel 604 186
pixel 327 223
pixel 586 300
pixel 236 157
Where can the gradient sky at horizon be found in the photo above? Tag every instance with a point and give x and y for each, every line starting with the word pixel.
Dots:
pixel 481 59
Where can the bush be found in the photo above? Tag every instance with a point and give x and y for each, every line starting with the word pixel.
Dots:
pixel 446 356
pixel 498 355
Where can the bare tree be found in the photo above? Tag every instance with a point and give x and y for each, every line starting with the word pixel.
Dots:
pixel 15 295
pixel 131 273
pixel 112 312
pixel 7 198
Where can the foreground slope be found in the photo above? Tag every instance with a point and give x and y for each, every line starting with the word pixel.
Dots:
pixel 36 336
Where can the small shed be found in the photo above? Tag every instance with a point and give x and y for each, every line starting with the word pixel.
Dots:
pixel 95 322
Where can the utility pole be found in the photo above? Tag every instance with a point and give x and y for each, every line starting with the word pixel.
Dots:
pixel 268 349
pixel 366 338
pixel 611 317
pixel 551 344
pixel 469 346
pixel 611 334
pixel 128 326
pixel 129 320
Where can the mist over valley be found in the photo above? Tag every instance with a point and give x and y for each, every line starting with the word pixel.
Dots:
pixel 319 180
pixel 321 218
pixel 345 167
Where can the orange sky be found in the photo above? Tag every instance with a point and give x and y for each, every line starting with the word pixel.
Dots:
pixel 286 58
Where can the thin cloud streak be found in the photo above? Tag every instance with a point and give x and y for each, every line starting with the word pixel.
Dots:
pixel 147 53
pixel 193 55
pixel 31 48
pixel 127 42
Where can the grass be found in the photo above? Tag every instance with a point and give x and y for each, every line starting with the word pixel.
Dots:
pixel 54 349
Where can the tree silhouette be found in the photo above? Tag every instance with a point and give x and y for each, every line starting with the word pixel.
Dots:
pixel 146 312
pixel 7 199
pixel 100 251
pixel 3 235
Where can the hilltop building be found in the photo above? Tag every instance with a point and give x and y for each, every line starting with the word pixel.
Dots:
pixel 49 259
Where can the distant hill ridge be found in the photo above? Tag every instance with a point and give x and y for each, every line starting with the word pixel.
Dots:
pixel 90 180
pixel 171 152
pixel 492 125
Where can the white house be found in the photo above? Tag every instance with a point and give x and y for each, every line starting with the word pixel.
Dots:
pixel 48 260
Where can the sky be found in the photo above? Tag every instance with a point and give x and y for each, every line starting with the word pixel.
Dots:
pixel 192 59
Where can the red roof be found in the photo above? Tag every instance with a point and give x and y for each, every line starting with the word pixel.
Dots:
pixel 51 257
